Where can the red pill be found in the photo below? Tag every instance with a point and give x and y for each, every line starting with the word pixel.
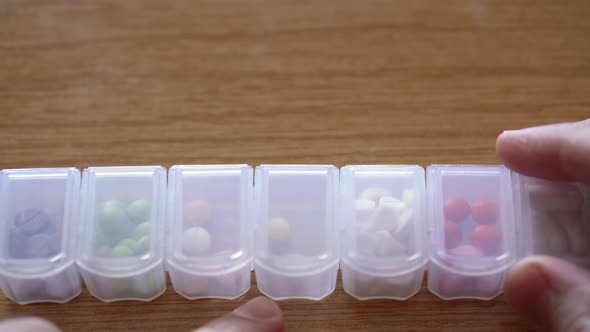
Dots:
pixel 452 234
pixel 456 209
pixel 485 212
pixel 487 238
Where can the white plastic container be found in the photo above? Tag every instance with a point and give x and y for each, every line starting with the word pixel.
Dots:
pixel 296 233
pixel 38 209
pixel 471 230
pixel 384 251
pixel 209 230
pixel 121 233
pixel 553 218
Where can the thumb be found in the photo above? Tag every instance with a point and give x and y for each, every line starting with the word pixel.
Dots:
pixel 551 292
pixel 27 324
pixel 257 315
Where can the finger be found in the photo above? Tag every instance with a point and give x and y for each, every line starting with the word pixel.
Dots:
pixel 30 324
pixel 554 152
pixel 257 315
pixel 551 292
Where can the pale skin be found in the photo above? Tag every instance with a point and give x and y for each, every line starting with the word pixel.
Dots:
pixel 552 293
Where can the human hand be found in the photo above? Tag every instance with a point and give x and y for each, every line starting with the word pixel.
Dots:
pixel 553 293
pixel 257 315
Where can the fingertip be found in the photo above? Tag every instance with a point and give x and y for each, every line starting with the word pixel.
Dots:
pixel 28 324
pixel 260 314
pixel 259 308
pixel 525 288
pixel 503 144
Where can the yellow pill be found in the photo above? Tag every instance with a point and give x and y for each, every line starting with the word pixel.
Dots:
pixel 278 229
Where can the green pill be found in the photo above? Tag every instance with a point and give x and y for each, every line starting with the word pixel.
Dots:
pixel 143 244
pixel 112 217
pixel 121 251
pixel 142 230
pixel 129 243
pixel 139 211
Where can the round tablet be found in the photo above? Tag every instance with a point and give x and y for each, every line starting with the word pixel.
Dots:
pixel 485 212
pixel 456 209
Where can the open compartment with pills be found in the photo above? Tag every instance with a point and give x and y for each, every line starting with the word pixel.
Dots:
pixel 383 240
pixel 209 247
pixel 38 212
pixel 121 232
pixel 471 229
pixel 553 218
pixel 296 233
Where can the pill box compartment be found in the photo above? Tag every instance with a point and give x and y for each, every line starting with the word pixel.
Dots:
pixel 553 218
pixel 471 230
pixel 209 230
pixel 122 219
pixel 38 210
pixel 296 233
pixel 383 241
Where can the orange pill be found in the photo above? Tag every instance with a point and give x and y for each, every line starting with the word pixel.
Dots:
pixel 485 212
pixel 452 234
pixel 487 238
pixel 456 209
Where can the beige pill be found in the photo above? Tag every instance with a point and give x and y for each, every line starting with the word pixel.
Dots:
pixel 197 213
pixel 562 197
pixel 577 234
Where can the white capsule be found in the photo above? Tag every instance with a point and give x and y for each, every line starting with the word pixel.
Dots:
pixel 401 231
pixel 393 202
pixel 385 218
pixel 408 196
pixel 375 193
pixel 387 245
pixel 363 208
pixel 196 241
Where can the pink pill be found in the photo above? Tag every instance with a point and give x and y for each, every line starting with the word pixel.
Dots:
pixel 487 286
pixel 466 250
pixel 449 285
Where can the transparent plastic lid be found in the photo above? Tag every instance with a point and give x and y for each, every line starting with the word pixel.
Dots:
pixel 37 214
pixel 122 219
pixel 471 217
pixel 383 217
pixel 209 216
pixel 553 218
pixel 295 217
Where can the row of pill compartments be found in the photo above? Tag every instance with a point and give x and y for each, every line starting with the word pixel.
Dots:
pixel 131 226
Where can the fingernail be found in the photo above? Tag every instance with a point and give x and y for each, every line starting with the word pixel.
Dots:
pixel 259 308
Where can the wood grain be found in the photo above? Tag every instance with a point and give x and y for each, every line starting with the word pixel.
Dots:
pixel 230 81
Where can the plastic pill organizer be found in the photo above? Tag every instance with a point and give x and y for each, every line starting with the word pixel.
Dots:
pixel 120 229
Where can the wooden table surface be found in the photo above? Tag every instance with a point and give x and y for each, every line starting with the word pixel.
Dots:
pixel 344 82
